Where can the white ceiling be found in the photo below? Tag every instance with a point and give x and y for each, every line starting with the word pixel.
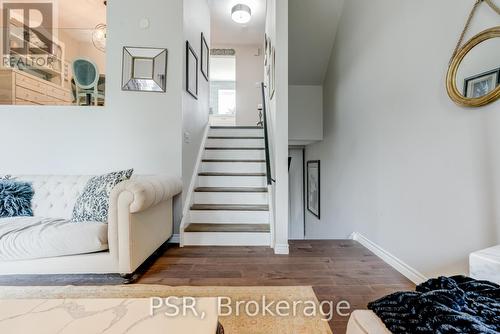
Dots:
pixel 79 18
pixel 312 29
pixel 224 31
pixel 81 14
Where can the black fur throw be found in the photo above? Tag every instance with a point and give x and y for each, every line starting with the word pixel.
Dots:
pixel 441 306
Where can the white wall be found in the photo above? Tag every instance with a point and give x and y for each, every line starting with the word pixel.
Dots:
pixel 194 111
pixel 134 129
pixel 277 30
pixel 305 115
pixel 400 162
pixel 249 75
pixel 313 25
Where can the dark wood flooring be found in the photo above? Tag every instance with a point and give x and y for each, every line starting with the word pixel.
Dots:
pixel 337 271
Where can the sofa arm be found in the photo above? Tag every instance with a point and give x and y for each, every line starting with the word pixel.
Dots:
pixel 148 191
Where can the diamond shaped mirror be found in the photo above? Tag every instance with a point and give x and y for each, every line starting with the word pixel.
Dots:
pixel 144 69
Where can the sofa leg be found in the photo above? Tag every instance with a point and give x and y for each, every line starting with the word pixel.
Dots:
pixel 134 277
pixel 130 278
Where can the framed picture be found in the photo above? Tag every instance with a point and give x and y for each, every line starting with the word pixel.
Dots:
pixel 272 79
pixel 482 84
pixel 144 69
pixel 205 57
pixel 191 71
pixel 269 47
pixel 313 188
pixel 267 44
pixel 268 79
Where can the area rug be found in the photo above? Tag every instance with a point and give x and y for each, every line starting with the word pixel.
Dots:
pixel 301 323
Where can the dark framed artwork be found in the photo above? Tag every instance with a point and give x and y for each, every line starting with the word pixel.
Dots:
pixel 191 71
pixel 273 73
pixel 269 47
pixel 481 84
pixel 314 188
pixel 205 57
pixel 266 47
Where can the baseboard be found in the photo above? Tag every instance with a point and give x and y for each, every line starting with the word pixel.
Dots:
pixel 412 274
pixel 192 184
pixel 175 239
pixel 281 249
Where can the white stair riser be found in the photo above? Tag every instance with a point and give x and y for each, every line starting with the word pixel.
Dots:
pixel 232 181
pixel 229 217
pixel 235 143
pixel 234 167
pixel 231 198
pixel 236 132
pixel 226 239
pixel 235 154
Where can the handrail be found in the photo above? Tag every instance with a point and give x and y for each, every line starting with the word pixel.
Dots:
pixel 266 136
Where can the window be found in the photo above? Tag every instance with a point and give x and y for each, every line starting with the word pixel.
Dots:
pixel 223 85
pixel 227 102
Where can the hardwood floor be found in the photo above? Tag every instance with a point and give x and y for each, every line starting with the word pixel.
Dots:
pixel 337 271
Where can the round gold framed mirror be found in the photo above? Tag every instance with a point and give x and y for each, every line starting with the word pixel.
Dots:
pixel 473 78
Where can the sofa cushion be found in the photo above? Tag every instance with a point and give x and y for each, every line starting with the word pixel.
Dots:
pixel 24 238
pixel 15 198
pixel 93 203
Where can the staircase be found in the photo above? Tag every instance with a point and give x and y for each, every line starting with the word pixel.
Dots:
pixel 230 204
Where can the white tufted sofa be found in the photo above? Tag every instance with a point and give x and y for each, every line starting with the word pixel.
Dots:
pixel 140 221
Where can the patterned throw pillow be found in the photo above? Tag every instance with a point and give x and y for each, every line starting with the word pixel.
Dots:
pixel 93 204
pixel 15 198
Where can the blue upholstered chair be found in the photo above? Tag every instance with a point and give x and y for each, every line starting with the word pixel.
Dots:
pixel 86 76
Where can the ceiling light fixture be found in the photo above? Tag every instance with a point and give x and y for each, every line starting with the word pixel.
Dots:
pixel 241 14
pixel 99 34
pixel 99 37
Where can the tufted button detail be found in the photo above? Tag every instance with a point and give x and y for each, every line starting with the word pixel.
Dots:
pixel 55 195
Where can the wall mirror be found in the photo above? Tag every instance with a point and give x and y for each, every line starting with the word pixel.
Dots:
pixel 474 74
pixel 144 69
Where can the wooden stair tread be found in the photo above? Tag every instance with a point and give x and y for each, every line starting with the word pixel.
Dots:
pixel 236 148
pixel 235 160
pixel 233 137
pixel 237 127
pixel 231 174
pixel 228 228
pixel 230 190
pixel 229 207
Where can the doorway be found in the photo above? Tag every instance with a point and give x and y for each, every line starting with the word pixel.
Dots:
pixel 296 228
pixel 222 91
pixel 244 40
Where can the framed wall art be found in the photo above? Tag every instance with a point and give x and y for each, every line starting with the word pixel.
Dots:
pixel 191 71
pixel 481 84
pixel 314 188
pixel 272 79
pixel 205 57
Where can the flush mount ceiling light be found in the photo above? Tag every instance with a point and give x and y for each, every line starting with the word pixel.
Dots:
pixel 99 35
pixel 241 13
